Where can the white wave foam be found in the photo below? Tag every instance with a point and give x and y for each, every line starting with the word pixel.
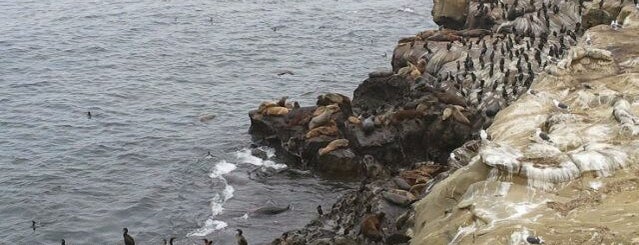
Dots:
pixel 409 10
pixel 218 200
pixel 222 167
pixel 209 226
pixel 245 156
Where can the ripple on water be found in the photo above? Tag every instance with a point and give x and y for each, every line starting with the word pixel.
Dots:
pixel 146 77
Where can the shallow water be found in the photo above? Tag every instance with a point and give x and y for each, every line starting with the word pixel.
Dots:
pixel 147 71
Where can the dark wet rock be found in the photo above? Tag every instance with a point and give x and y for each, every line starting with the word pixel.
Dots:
pixel 376 92
pixel 341 163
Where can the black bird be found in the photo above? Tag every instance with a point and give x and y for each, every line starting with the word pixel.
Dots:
pixel 534 240
pixel 128 240
pixel 63 242
pixel 171 240
pixel 449 45
pixel 207 242
pixel 319 210
pixel 240 238
pixel 89 114
pixel 33 225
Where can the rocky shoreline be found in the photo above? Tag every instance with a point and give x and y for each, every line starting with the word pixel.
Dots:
pixel 409 128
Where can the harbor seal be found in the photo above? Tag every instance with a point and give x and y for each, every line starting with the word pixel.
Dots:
pixel 334 145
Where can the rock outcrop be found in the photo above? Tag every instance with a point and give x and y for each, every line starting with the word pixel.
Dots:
pixel 510 64
pixel 560 163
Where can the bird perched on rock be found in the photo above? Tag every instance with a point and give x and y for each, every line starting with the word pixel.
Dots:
pixel 239 237
pixel 560 105
pixel 319 210
pixel 368 125
pixel 128 240
pixel 540 135
pixel 534 240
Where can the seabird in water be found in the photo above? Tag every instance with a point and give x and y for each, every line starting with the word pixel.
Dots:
pixel 319 210
pixel 240 238
pixel 128 240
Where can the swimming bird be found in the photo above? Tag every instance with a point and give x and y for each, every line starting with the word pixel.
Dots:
pixel 206 242
pixel 240 238
pixel 33 225
pixel 89 114
pixel 319 210
pixel 128 240
pixel 560 105
pixel 63 242
pixel 171 240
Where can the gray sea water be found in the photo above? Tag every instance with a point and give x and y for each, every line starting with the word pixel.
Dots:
pixel 148 71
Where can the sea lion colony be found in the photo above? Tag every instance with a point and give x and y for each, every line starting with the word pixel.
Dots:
pixel 415 122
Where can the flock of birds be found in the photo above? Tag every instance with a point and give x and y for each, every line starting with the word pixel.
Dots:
pixel 128 239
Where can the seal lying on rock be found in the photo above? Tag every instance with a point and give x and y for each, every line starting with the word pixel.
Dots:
pixel 323 118
pixel 399 197
pixel 334 145
pixel 328 130
pixel 276 111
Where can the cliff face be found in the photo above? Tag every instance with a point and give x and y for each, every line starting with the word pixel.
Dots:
pixel 566 175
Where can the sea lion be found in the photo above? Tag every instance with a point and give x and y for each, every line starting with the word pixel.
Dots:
pixel 323 118
pixel 444 37
pixel 334 145
pixel 206 117
pixel 473 33
pixel 329 130
pixel 282 101
pixel 455 112
pixel 450 98
pixel 371 227
pixel 399 197
pixel 333 98
pixel 354 120
pixel 264 105
pixel 401 183
pixel 276 111
pixel 402 115
pixel 418 189
pixel 270 210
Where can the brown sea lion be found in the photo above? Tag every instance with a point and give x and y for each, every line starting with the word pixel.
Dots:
pixel 264 105
pixel 333 98
pixel 275 111
pixel 473 33
pixel 354 120
pixel 450 98
pixel 334 145
pixel 405 115
pixel 324 130
pixel 408 39
pixel 444 37
pixel 323 118
pixel 282 101
pixel 455 112
pixel 371 227
pixel 399 197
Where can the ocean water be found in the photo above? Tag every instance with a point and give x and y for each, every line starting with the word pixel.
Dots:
pixel 149 71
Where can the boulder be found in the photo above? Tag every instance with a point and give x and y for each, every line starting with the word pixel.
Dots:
pixel 450 13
